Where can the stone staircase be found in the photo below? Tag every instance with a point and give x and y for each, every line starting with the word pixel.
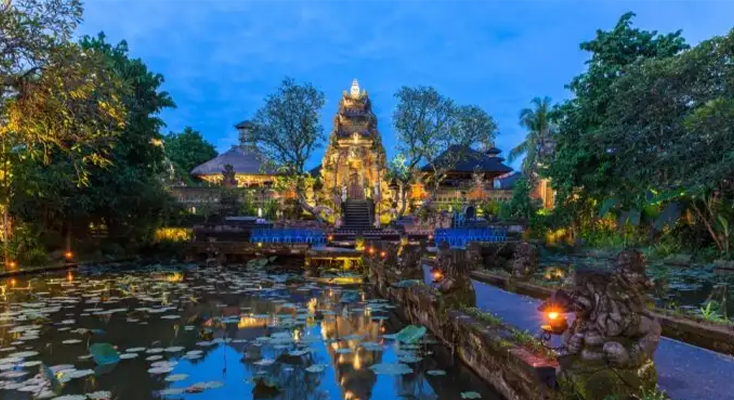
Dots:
pixel 357 215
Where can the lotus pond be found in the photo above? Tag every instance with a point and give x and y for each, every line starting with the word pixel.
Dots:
pixel 698 290
pixel 215 333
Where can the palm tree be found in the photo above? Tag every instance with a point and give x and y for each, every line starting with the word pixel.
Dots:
pixel 538 140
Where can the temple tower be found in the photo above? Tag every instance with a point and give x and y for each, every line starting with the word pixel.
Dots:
pixel 355 161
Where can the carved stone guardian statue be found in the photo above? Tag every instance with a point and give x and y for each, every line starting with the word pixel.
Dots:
pixel 610 345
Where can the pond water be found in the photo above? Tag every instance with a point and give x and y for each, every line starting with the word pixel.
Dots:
pixel 212 333
pixel 685 288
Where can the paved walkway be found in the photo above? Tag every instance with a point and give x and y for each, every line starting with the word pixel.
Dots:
pixel 685 372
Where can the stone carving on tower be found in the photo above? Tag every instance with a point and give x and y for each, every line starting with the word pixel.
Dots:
pixel 355 158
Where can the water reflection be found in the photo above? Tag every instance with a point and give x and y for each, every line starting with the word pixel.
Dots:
pixel 227 333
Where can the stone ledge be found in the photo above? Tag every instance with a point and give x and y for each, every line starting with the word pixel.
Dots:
pixel 718 338
pixel 512 370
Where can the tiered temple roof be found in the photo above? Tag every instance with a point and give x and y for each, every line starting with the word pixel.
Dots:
pixel 243 161
pixel 464 160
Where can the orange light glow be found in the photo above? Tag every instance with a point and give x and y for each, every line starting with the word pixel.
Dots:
pixel 68 255
pixel 383 254
pixel 330 237
pixel 69 276
pixel 552 315
pixel 437 275
pixel 12 282
pixel 372 250
pixel 12 264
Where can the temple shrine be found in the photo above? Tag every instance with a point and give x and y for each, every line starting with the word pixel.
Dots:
pixel 355 162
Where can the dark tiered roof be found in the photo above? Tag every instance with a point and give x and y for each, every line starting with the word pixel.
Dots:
pixel 244 161
pixel 468 160
pixel 244 125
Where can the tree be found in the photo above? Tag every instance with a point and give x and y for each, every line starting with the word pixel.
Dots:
pixel 32 31
pixel 126 193
pixel 286 131
pixel 186 150
pixel 539 137
pixel 68 113
pixel 427 124
pixel 671 139
pixel 581 162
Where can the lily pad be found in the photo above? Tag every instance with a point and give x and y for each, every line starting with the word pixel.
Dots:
pixel 391 369
pixel 411 334
pixel 104 353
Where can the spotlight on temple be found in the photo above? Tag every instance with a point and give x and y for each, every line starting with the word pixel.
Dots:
pixel 554 310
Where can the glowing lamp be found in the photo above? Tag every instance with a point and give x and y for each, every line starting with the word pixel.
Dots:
pixel 553 310
pixel 372 250
pixel 437 274
pixel 430 237
pixel 68 255
pixel 383 254
pixel 330 237
pixel 12 264
pixel 259 244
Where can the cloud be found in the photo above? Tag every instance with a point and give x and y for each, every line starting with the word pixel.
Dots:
pixel 220 58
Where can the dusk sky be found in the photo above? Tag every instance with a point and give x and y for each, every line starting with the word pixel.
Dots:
pixel 221 58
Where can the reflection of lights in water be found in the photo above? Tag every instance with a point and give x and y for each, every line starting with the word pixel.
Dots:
pixel 175 277
pixel 249 322
pixel 554 273
pixel 312 304
pixel 69 277
pixel 12 282
pixel 356 362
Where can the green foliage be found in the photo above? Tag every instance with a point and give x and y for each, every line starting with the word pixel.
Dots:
pixel 122 189
pixel 273 133
pixel 521 205
pixel 286 130
pixel 541 129
pixel 185 151
pixel 647 141
pixel 427 124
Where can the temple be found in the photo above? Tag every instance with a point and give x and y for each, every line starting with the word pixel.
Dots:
pixel 352 178
pixel 355 162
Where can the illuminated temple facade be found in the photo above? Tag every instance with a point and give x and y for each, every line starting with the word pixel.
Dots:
pixel 355 162
pixel 354 167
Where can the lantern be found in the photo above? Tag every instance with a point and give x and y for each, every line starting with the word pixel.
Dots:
pixel 554 310
pixel 437 275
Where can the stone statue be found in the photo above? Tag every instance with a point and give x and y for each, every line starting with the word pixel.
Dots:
pixel 610 345
pixel 525 261
pixel 455 285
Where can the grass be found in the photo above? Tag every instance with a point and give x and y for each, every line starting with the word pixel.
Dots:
pixel 518 337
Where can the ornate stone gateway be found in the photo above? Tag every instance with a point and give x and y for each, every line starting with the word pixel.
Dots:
pixel 355 162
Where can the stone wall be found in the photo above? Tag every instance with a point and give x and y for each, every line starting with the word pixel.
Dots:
pixel 512 370
pixel 486 347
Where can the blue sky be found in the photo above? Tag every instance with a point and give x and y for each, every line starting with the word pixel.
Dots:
pixel 221 58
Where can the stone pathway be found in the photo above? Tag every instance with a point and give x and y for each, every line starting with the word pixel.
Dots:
pixel 685 372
